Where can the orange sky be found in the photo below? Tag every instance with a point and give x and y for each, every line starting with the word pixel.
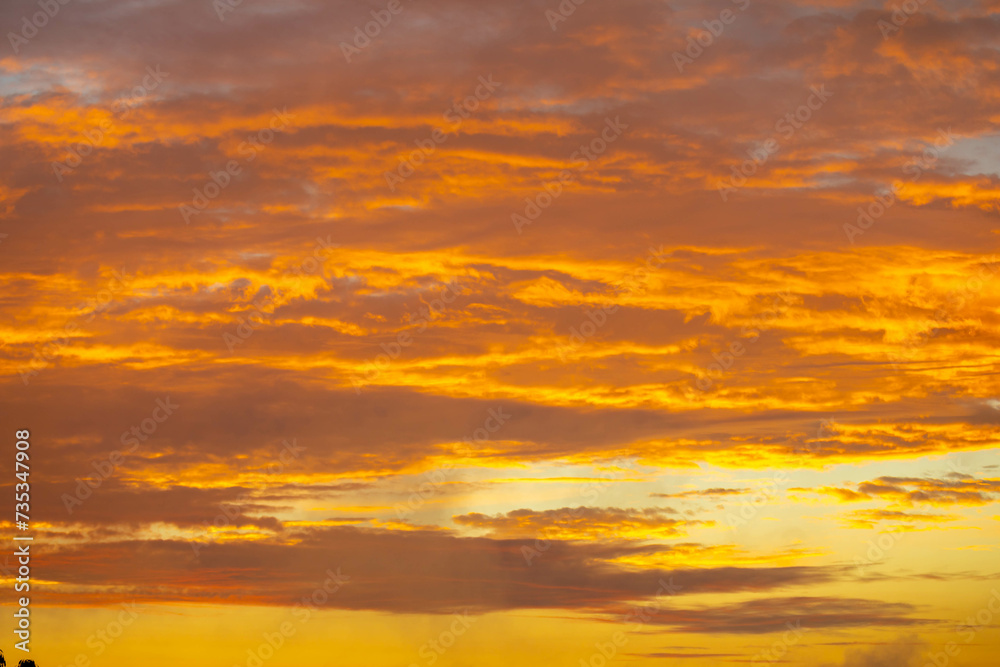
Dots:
pixel 521 332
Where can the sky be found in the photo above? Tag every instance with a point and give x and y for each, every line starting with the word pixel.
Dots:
pixel 440 332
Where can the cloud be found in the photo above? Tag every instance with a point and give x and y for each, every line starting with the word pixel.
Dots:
pixel 583 523
pixel 713 492
pixel 867 519
pixel 306 300
pixel 954 489
pixel 774 613
pixel 441 572
pixel 903 652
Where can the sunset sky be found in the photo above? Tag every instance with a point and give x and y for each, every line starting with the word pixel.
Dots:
pixel 396 333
